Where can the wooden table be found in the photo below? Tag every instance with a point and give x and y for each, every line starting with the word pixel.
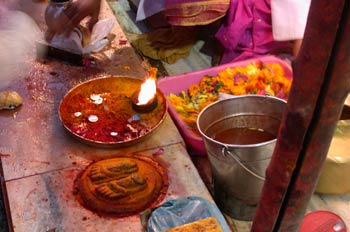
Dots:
pixel 40 160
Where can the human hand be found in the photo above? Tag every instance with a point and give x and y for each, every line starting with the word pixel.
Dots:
pixel 74 14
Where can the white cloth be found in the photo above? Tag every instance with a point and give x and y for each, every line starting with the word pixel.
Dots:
pixel 147 8
pixel 98 38
pixel 289 19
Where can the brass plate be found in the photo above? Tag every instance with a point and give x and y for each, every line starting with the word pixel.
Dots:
pixel 99 112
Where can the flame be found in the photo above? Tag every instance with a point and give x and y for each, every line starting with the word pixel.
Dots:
pixel 148 91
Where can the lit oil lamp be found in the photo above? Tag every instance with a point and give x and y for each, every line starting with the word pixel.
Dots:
pixel 145 100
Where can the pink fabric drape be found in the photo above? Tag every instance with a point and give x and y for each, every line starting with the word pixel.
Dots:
pixel 247 31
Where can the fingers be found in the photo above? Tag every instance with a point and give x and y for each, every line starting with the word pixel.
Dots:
pixel 79 10
pixel 94 14
pixel 75 13
pixel 71 10
pixel 93 20
pixel 49 35
pixel 73 22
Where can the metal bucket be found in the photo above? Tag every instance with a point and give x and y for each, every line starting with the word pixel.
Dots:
pixel 239 170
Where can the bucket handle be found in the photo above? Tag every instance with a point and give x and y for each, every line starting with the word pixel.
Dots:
pixel 225 151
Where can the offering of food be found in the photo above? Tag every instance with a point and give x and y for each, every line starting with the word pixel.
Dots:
pixel 263 78
pixel 10 100
pixel 209 224
pixel 121 186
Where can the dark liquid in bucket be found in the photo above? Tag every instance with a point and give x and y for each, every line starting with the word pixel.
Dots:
pixel 243 136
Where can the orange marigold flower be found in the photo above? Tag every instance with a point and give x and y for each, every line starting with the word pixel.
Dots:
pixel 254 78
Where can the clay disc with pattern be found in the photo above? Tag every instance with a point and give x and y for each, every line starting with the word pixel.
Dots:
pixel 122 186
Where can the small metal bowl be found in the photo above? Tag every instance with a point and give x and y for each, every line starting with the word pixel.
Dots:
pixel 99 112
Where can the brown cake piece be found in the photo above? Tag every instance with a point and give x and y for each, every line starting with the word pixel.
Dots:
pixel 122 186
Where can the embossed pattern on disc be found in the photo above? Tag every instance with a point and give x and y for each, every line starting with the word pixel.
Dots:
pixel 122 186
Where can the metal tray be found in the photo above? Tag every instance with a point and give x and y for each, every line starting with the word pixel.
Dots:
pixel 99 112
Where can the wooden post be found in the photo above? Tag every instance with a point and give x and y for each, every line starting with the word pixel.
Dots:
pixel 320 86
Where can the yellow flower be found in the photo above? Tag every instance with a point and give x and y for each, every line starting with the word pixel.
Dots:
pixel 254 78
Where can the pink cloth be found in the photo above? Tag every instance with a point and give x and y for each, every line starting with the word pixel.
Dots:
pixel 247 32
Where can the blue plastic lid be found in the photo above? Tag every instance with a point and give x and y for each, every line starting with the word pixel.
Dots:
pixel 177 212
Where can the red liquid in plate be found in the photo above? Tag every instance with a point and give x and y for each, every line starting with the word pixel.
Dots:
pixel 243 136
